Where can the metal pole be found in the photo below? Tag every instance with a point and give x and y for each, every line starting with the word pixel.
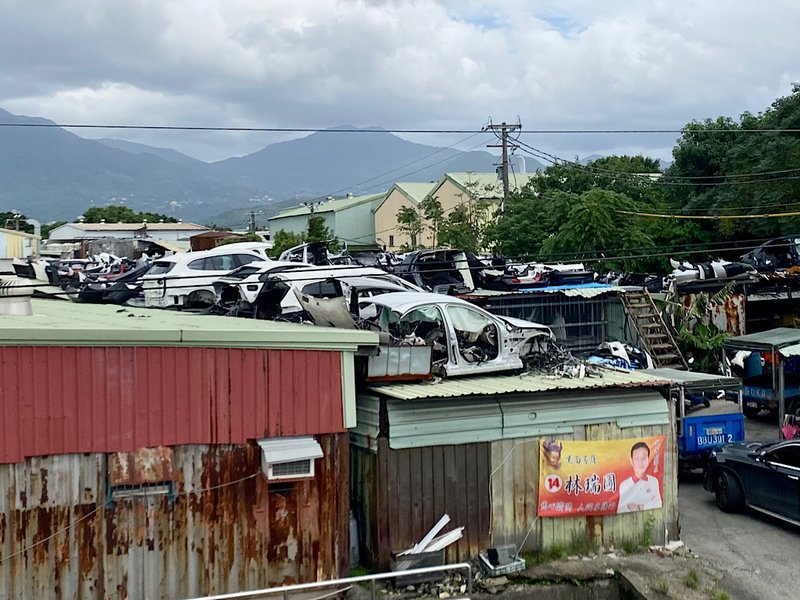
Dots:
pixel 504 141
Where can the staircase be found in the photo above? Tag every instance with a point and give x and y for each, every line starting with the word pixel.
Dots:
pixel 654 336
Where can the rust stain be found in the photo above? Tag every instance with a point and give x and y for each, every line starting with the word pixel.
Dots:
pixel 232 528
pixel 43 477
pixel 146 465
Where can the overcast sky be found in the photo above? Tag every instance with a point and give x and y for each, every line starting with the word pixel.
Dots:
pixel 448 64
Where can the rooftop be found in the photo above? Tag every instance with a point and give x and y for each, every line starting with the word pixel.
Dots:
pixel 328 206
pixel 64 323
pixel 522 384
pixel 488 185
pixel 138 226
pixel 415 191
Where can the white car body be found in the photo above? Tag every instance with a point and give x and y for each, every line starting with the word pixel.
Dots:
pixel 456 328
pixel 300 277
pixel 183 279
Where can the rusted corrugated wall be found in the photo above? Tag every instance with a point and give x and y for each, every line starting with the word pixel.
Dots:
pixel 63 400
pixel 515 495
pixel 401 494
pixel 728 316
pixel 224 529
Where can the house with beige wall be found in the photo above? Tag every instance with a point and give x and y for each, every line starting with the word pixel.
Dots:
pixel 402 194
pixel 452 190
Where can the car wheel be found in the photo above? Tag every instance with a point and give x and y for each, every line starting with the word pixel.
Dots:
pixel 730 497
pixel 751 412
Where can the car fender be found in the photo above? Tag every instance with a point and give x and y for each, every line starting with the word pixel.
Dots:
pixel 711 477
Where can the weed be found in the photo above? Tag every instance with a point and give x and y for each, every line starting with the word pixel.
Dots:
pixel 580 545
pixel 719 595
pixel 692 580
pixel 359 571
pixel 662 586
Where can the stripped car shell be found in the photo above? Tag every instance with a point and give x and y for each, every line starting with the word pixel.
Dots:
pixel 186 279
pixel 465 339
pixel 264 291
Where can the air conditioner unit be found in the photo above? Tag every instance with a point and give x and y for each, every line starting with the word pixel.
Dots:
pixel 289 458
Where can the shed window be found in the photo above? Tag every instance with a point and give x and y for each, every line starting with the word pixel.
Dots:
pixel 289 458
pixel 146 472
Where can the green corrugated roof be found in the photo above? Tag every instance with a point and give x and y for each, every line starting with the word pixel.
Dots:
pixel 511 384
pixel 63 323
pixel 415 191
pixel 692 380
pixel 488 185
pixel 765 340
pixel 444 421
pixel 328 206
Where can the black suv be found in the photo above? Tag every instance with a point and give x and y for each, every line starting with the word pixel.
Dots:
pixel 765 477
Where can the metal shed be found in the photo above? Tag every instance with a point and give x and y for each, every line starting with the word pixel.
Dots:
pixel 129 454
pixel 471 448
pixel 782 342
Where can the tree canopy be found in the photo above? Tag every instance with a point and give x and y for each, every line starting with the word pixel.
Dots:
pixel 122 214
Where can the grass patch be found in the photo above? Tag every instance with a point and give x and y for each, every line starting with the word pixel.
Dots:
pixel 662 586
pixel 719 595
pixel 692 580
pixel 359 571
pixel 579 545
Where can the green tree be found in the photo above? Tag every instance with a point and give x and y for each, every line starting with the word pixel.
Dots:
pixel 284 240
pixel 595 223
pixel 316 231
pixel 410 223
pixel 465 225
pixel 123 214
pixel 48 227
pixel 433 213
pixel 16 221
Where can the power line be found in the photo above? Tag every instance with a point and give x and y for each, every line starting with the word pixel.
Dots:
pixel 662 179
pixel 395 130
pixel 710 217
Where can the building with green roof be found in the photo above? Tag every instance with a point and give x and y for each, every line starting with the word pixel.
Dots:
pixel 402 194
pixel 350 219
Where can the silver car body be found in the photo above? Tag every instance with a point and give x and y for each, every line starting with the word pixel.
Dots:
pixel 467 340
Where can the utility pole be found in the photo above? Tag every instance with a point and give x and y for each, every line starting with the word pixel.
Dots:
pixel 251 222
pixel 504 129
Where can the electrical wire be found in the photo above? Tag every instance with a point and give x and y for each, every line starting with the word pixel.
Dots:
pixel 392 130
pixel 710 217
pixel 102 506
pixel 661 179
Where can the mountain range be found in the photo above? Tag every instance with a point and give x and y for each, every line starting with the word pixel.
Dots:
pixel 49 173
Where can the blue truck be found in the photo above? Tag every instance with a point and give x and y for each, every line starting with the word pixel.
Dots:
pixel 769 364
pixel 708 411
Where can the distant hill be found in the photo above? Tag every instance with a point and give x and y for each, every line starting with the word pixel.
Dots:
pixel 50 173
pixel 167 154
pixel 333 162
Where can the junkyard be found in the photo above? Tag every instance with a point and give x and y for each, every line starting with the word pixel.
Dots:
pixel 335 300
pixel 442 380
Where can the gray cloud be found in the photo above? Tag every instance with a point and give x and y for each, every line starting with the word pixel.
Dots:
pixel 398 64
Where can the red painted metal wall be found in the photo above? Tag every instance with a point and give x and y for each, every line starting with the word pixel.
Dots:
pixel 62 400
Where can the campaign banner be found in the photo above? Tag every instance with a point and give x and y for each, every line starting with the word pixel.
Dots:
pixel 600 477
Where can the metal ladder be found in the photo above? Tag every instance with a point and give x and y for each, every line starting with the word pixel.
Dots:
pixel 654 336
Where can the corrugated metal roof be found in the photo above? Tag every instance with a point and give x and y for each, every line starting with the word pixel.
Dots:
pixel 692 380
pixel 58 322
pixel 487 185
pixel 462 420
pixel 138 226
pixel 765 340
pixel 415 191
pixel 510 384
pixel 583 290
pixel 328 206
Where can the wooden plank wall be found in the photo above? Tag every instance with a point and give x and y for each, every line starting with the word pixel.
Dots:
pixel 515 494
pixel 403 493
